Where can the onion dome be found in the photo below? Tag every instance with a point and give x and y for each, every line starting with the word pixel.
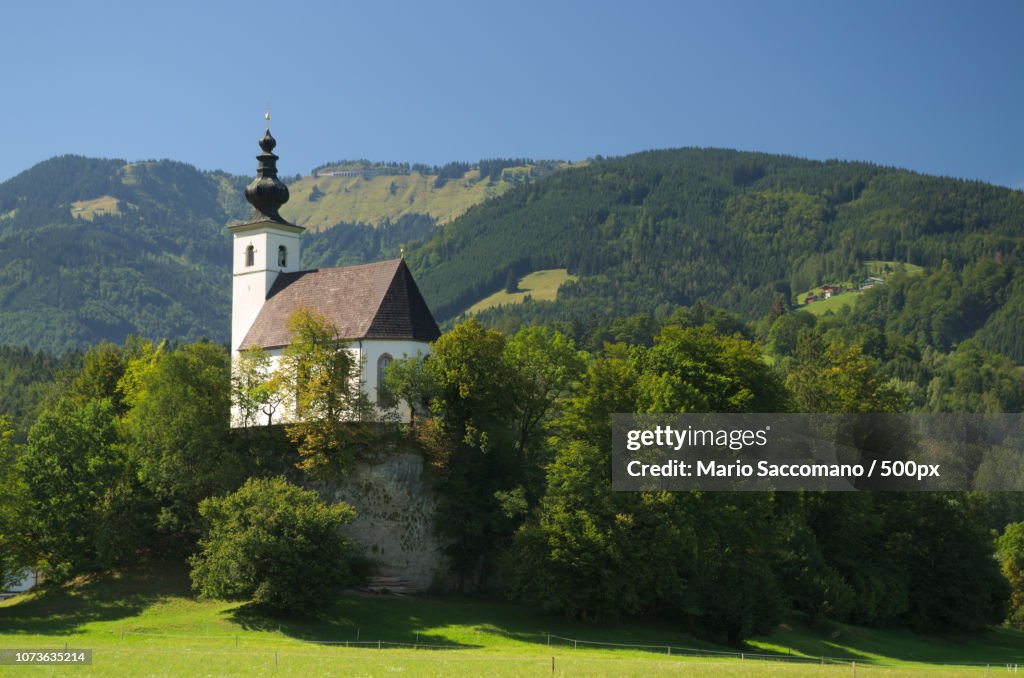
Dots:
pixel 267 193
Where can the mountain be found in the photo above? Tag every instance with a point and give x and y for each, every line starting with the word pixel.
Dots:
pixel 657 230
pixel 97 249
pixel 94 249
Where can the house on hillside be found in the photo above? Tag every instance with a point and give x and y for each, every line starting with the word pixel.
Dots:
pixel 869 282
pixel 377 308
pixel 829 291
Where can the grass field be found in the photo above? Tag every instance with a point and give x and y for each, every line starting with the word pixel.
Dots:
pixel 883 269
pixel 833 304
pixel 539 285
pixel 87 209
pixel 370 200
pixel 146 623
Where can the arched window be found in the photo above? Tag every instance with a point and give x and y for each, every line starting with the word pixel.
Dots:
pixel 384 399
pixel 250 255
pixel 282 256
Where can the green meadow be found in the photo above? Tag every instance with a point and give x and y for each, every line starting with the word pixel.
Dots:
pixel 147 622
pixel 371 199
pixel 539 286
pixel 879 269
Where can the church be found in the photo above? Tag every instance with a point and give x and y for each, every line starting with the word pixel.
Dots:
pixel 376 308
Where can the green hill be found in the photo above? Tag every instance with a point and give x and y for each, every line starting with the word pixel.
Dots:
pixel 96 249
pixel 657 230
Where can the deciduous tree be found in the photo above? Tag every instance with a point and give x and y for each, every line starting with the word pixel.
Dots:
pixel 275 544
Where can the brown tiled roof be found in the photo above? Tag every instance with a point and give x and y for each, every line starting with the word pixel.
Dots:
pixel 370 301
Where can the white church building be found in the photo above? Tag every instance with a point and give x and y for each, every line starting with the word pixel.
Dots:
pixel 376 308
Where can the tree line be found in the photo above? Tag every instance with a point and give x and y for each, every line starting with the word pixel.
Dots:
pixel 132 455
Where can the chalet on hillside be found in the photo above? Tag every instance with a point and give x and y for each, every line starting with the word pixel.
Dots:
pixel 829 291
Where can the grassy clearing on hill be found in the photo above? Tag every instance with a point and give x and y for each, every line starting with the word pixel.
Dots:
pixel 372 199
pixel 87 209
pixel 879 269
pixel 146 621
pixel 883 269
pixel 539 285
pixel 833 304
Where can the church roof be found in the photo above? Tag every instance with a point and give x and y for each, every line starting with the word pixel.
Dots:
pixel 369 301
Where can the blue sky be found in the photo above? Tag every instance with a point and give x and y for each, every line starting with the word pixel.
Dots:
pixel 936 87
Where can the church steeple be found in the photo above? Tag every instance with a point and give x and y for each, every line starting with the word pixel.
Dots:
pixel 264 247
pixel 266 192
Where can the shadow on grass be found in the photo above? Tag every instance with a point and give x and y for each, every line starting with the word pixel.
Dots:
pixel 840 641
pixel 466 622
pixel 334 628
pixel 450 621
pixel 62 610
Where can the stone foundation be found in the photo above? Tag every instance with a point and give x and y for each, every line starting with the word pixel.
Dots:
pixel 394 526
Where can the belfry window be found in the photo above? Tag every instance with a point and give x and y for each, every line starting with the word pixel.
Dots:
pixel 282 255
pixel 250 255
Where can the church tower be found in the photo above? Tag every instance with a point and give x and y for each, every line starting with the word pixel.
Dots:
pixel 263 247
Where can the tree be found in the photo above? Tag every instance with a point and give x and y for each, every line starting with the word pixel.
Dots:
pixel 410 381
pixel 696 370
pixel 84 508
pixel 547 366
pixel 275 544
pixel 608 387
pixel 511 282
pixel 323 378
pixel 102 369
pixel 256 388
pixel 474 446
pixel 592 553
pixel 15 544
pixel 1011 556
pixel 703 558
pixel 837 377
pixel 947 556
pixel 176 429
pixel 783 334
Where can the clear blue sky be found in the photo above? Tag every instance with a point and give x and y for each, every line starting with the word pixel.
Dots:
pixel 936 87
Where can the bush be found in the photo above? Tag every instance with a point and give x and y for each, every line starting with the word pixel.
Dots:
pixel 275 544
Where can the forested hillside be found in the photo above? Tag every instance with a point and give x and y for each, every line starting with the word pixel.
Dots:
pixel 155 265
pixel 94 250
pixel 99 249
pixel 657 230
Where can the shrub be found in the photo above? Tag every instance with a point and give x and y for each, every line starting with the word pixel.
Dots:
pixel 275 544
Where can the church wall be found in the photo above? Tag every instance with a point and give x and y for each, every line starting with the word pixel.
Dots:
pixel 373 349
pixel 367 352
